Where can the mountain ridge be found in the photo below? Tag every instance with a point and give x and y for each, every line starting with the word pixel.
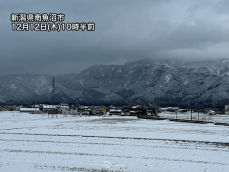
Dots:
pixel 164 82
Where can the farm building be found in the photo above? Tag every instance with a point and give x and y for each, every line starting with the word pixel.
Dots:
pixel 30 110
pixel 45 108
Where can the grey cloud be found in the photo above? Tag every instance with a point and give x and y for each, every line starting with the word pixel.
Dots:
pixel 125 30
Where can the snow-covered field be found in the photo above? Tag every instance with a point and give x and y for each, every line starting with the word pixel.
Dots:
pixel 30 142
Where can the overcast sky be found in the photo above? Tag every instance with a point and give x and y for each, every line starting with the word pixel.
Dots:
pixel 125 30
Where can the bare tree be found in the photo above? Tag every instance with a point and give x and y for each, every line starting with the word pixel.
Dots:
pixel 154 109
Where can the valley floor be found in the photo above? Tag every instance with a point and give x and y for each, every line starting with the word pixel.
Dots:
pixel 30 142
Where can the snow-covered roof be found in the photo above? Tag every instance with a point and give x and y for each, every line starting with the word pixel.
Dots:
pixel 85 112
pixel 36 106
pixel 83 107
pixel 172 108
pixel 29 109
pixel 49 106
pixel 64 106
pixel 115 110
pixel 137 106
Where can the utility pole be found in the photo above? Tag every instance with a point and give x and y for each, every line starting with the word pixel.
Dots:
pixel 191 110
pixel 53 94
pixel 213 102
pixel 53 90
pixel 176 95
pixel 198 114
pixel 176 114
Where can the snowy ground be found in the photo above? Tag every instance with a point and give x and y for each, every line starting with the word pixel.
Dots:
pixel 30 142
pixel 205 117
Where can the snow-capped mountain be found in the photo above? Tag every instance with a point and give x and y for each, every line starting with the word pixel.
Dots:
pixel 165 82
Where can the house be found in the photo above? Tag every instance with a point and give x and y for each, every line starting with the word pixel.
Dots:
pixel 125 109
pixel 219 111
pixel 227 107
pixel 138 110
pixel 64 108
pixel 115 112
pixel 63 104
pixel 12 108
pixel 85 113
pixel 73 109
pixel 132 113
pixel 84 110
pixel 68 111
pixel 97 111
pixel 5 108
pixel 206 110
pixel 226 111
pixel 136 107
pixel 211 112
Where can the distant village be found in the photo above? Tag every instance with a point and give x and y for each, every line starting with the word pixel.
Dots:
pixel 64 108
